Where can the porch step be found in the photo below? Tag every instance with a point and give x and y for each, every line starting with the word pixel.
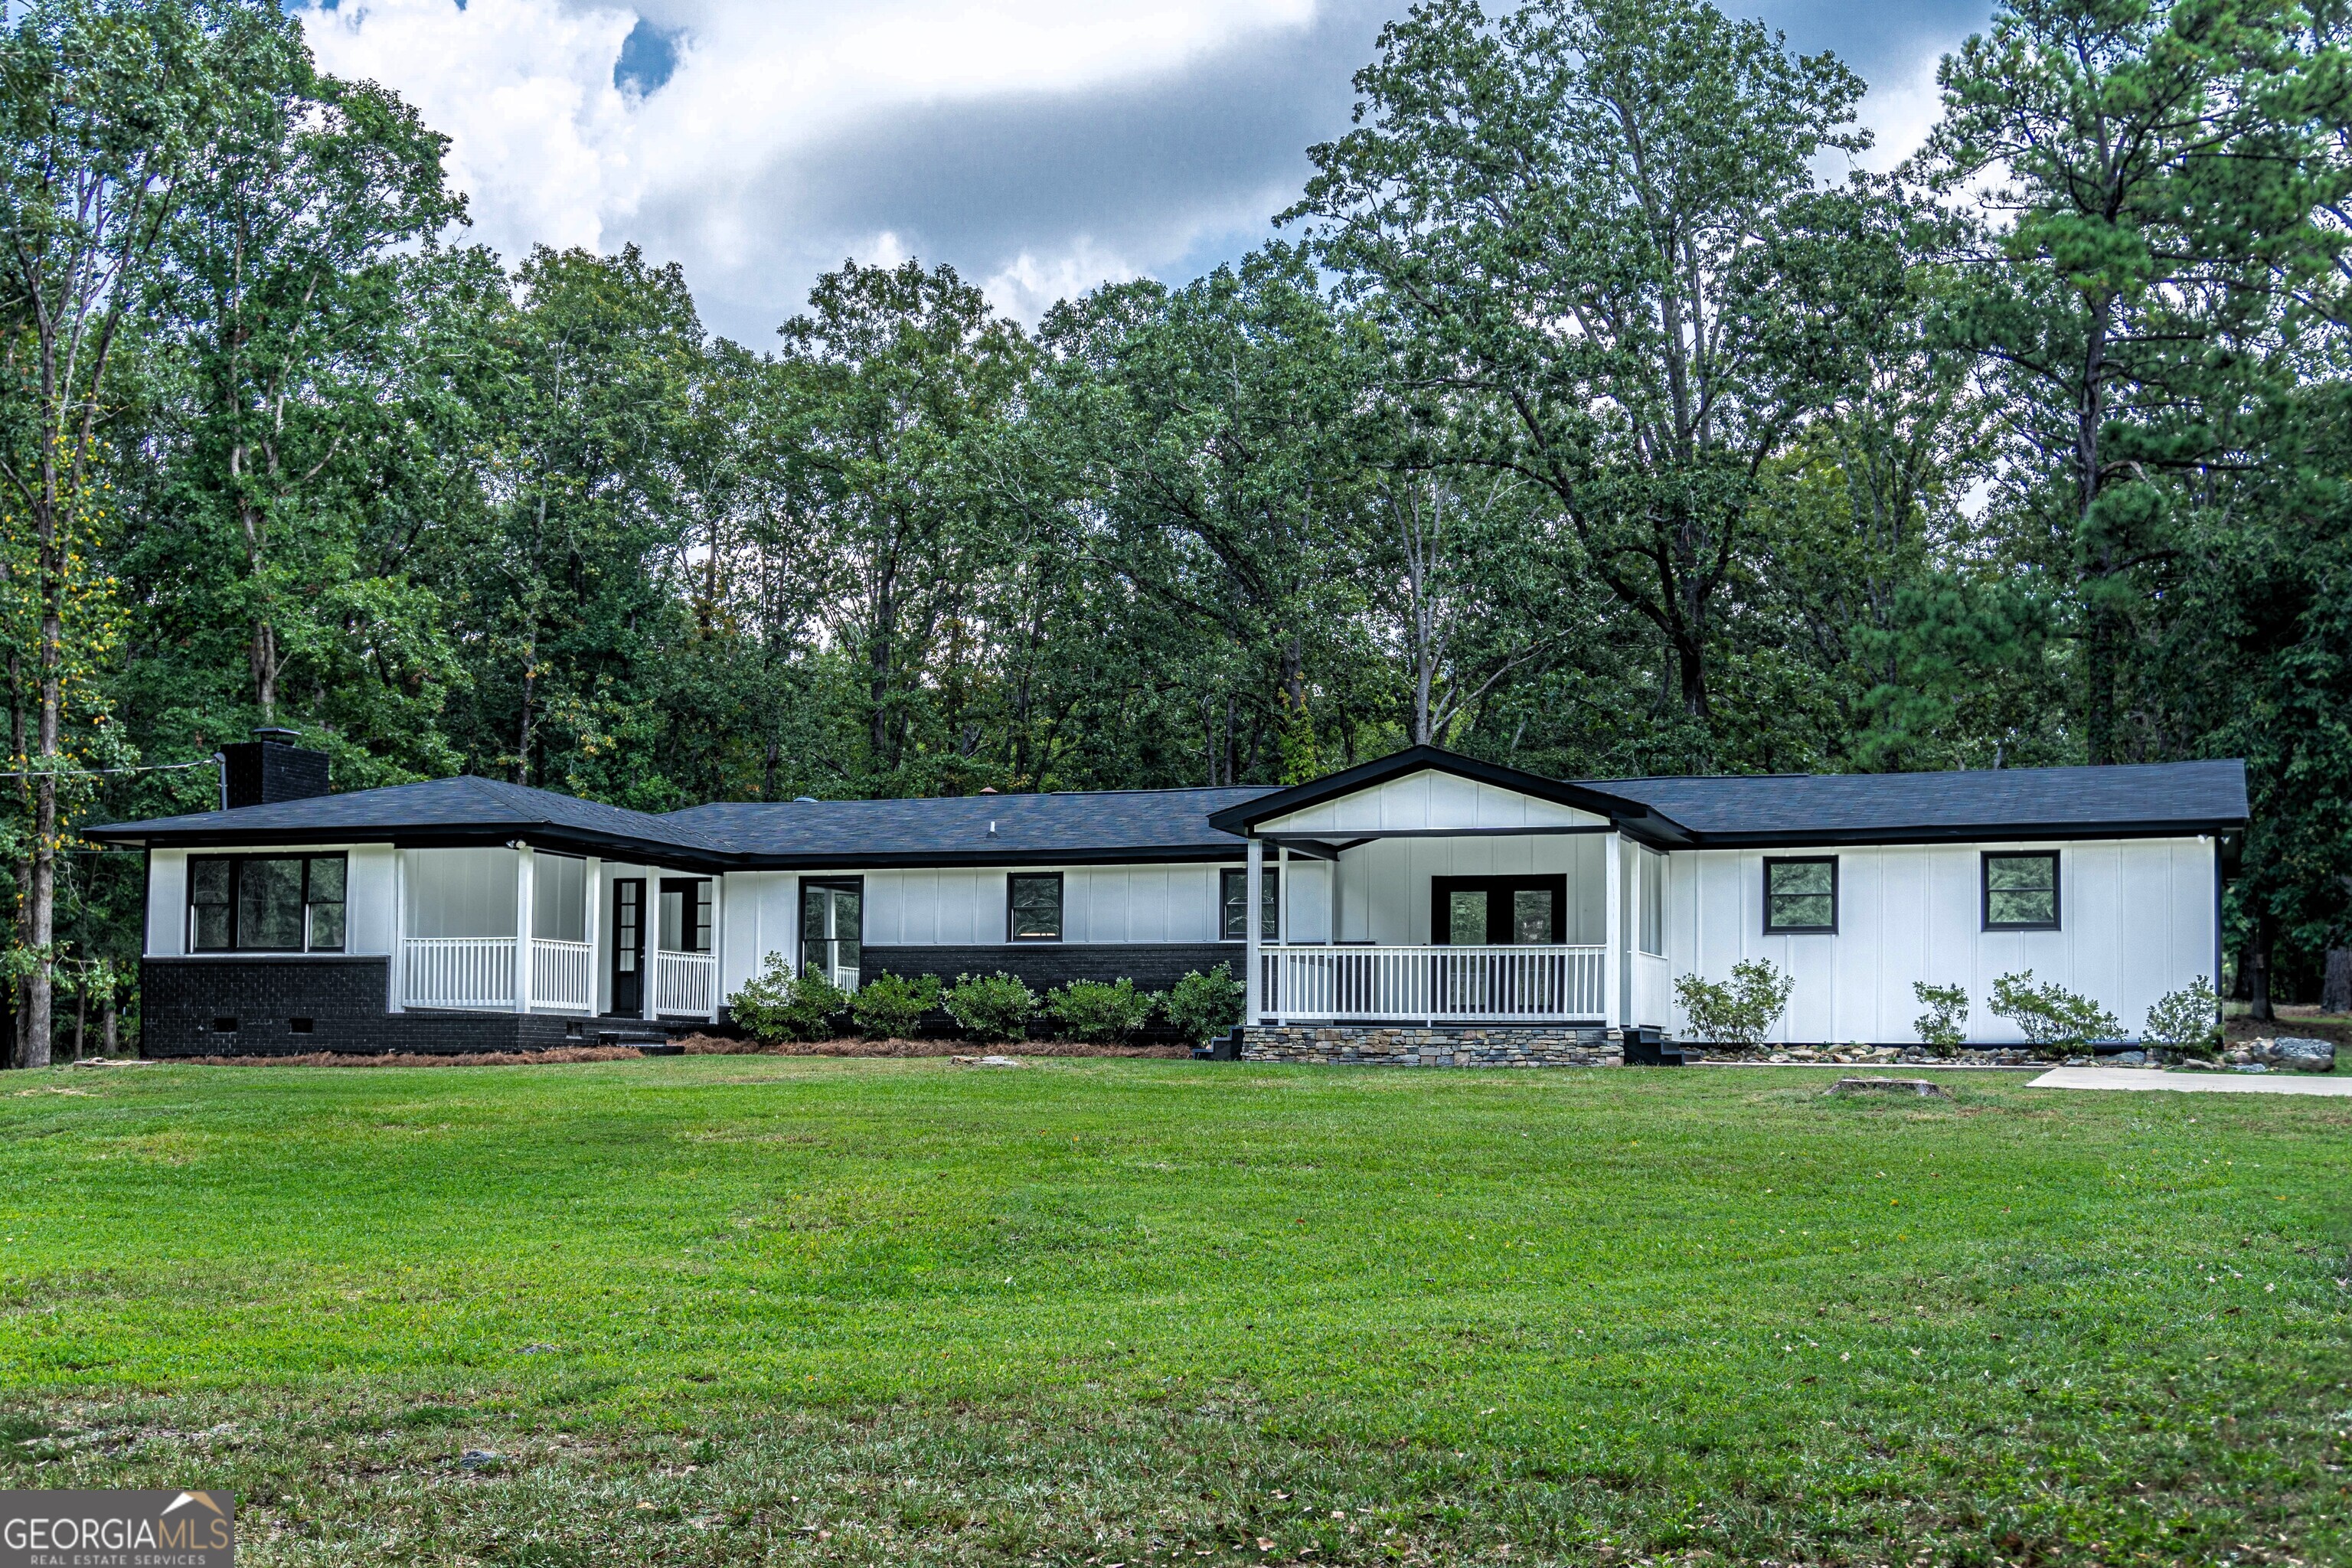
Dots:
pixel 1647 1049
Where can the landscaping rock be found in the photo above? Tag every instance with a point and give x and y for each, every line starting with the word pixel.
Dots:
pixel 1919 1086
pixel 2302 1055
pixel 986 1062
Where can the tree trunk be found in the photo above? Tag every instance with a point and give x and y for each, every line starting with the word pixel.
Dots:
pixel 81 1017
pixel 2260 1010
pixel 110 1026
pixel 2335 991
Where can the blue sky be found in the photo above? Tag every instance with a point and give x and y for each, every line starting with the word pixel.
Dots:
pixel 1040 146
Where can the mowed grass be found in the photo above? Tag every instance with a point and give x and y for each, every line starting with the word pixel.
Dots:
pixel 754 1309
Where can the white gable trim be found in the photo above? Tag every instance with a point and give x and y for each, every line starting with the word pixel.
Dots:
pixel 1433 801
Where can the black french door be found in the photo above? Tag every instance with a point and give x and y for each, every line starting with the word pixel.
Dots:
pixel 629 946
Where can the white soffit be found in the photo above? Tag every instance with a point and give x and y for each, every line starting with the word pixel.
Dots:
pixel 1430 801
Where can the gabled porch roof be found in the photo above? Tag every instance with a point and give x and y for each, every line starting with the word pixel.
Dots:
pixel 1368 802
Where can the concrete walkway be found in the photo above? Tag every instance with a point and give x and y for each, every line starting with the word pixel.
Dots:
pixel 2195 1082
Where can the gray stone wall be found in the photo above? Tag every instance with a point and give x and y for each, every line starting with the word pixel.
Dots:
pixel 1439 1046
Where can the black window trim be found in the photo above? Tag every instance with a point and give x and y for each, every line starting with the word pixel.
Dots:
pixel 305 857
pixel 703 891
pixel 801 886
pixel 2057 920
pixel 1061 904
pixel 1441 928
pixel 1269 892
pixel 1829 860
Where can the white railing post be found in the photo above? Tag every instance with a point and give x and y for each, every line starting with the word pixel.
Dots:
pixel 594 895
pixel 1614 928
pixel 649 932
pixel 398 983
pixel 525 865
pixel 1253 880
pixel 718 943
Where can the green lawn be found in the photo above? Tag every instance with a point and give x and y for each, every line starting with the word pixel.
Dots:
pixel 728 1309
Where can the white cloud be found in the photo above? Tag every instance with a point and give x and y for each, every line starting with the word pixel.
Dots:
pixel 701 170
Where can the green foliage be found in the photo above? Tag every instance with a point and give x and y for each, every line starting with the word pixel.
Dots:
pixel 991 1007
pixel 2188 1020
pixel 1205 1006
pixel 889 1006
pixel 1100 1013
pixel 776 1005
pixel 1943 1027
pixel 2050 1016
pixel 1740 1012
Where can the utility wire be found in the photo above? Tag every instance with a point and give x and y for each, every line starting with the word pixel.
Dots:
pixel 100 772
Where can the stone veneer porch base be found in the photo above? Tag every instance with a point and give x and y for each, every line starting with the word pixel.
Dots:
pixel 1438 1046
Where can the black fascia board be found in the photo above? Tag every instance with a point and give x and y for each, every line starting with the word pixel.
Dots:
pixel 1240 819
pixel 1965 833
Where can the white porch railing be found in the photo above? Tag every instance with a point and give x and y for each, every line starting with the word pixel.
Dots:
pixel 1432 983
pixel 686 983
pixel 477 972
pixel 1652 1001
pixel 562 975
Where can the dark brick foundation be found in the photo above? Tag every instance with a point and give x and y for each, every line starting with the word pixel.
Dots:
pixel 1441 1046
pixel 343 1000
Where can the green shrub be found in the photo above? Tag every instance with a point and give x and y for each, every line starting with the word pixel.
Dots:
pixel 2051 1016
pixel 2188 1020
pixel 1741 1013
pixel 889 1007
pixel 1100 1013
pixel 1943 1027
pixel 776 1005
pixel 994 1008
pixel 1204 1006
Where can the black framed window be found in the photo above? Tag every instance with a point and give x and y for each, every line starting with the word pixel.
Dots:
pixel 1800 897
pixel 2021 891
pixel 832 931
pixel 1232 898
pixel 266 903
pixel 1496 911
pixel 685 914
pixel 1034 907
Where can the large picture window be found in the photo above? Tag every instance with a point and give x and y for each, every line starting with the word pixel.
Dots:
pixel 1800 897
pixel 1232 900
pixel 1034 913
pixel 266 903
pixel 2021 891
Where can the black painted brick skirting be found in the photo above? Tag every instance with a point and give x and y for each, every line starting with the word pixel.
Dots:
pixel 1152 965
pixel 344 998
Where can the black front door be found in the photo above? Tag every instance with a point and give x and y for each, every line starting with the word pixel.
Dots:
pixel 629 946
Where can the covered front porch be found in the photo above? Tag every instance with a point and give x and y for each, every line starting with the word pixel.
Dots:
pixel 1430 896
pixel 527 930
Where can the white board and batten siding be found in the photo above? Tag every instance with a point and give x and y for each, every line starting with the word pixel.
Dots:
pixel 2136 921
pixel 1430 801
pixel 370 896
pixel 1384 884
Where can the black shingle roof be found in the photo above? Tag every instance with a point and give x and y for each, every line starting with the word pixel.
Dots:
pixel 1161 824
pixel 1995 803
pixel 1175 825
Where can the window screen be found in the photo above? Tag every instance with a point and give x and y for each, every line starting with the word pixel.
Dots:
pixel 1036 908
pixel 1234 890
pixel 2021 891
pixel 1800 896
pixel 272 904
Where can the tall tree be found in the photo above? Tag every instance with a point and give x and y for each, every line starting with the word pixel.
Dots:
pixel 1602 215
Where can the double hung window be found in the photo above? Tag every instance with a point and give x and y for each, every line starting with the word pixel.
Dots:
pixel 2021 891
pixel 1034 907
pixel 1233 901
pixel 1800 897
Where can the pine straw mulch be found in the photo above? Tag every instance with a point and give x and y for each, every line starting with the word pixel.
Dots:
pixel 694 1046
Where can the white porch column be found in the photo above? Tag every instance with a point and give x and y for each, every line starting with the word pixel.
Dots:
pixel 1282 933
pixel 397 1002
pixel 649 928
pixel 595 909
pixel 717 944
pixel 526 865
pixel 1254 882
pixel 1613 961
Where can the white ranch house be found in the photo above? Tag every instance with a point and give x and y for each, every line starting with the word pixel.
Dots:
pixel 1517 917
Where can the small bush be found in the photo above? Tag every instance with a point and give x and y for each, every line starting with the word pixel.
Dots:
pixel 2188 1020
pixel 889 1007
pixel 1100 1015
pixel 994 1008
pixel 776 1005
pixel 2051 1017
pixel 1204 1006
pixel 1741 1013
pixel 1943 1027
